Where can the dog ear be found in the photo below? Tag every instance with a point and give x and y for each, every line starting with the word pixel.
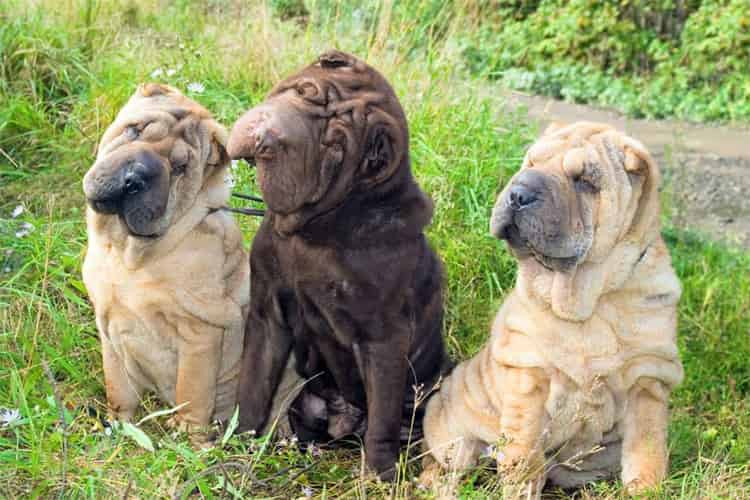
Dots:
pixel 217 155
pixel 383 151
pixel 379 152
pixel 638 161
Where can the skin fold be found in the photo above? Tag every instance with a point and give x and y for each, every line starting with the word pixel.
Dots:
pixel 164 268
pixel 573 384
pixel 343 276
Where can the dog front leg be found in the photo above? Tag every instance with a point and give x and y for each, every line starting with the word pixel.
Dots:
pixel 199 353
pixel 522 420
pixel 123 395
pixel 644 447
pixel 265 354
pixel 384 367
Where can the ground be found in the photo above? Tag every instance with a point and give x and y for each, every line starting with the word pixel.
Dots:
pixel 66 68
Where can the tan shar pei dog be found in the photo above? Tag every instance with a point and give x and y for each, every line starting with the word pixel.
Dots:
pixel 574 382
pixel 165 268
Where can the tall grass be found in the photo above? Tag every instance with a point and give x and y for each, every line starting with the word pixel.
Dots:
pixel 67 67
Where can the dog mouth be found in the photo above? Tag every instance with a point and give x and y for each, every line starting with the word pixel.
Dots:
pixel 551 263
pixel 524 248
pixel 136 231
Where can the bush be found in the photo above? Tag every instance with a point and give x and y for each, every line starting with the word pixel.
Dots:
pixel 680 58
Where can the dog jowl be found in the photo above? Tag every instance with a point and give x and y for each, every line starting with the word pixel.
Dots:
pixel 342 273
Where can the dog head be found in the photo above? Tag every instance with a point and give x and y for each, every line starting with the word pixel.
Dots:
pixel 153 160
pixel 334 128
pixel 581 190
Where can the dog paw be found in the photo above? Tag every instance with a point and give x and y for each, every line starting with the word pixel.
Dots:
pixel 639 486
pixel 200 436
pixel 430 474
pixel 122 415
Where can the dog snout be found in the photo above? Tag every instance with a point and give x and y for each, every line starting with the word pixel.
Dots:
pixel 253 136
pixel 133 181
pixel 521 197
pixel 525 190
pixel 501 222
pixel 111 181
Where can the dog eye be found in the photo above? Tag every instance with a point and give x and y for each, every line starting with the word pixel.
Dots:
pixel 131 132
pixel 179 165
pixel 585 185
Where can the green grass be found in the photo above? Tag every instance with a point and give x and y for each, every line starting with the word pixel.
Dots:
pixel 67 68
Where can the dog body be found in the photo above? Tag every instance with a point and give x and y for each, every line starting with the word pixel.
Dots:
pixel 165 269
pixel 582 355
pixel 343 276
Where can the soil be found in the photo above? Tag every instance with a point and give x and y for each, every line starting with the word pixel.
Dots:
pixel 705 168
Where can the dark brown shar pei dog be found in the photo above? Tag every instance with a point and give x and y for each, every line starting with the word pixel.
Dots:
pixel 574 383
pixel 164 268
pixel 342 272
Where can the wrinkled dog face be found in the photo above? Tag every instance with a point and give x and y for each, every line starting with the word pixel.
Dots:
pixel 335 125
pixel 153 160
pixel 575 196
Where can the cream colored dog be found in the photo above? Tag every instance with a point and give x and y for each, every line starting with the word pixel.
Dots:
pixel 165 269
pixel 573 385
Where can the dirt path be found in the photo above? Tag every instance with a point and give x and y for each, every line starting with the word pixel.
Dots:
pixel 706 168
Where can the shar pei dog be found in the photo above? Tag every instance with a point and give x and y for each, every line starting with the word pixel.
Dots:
pixel 343 276
pixel 573 385
pixel 165 267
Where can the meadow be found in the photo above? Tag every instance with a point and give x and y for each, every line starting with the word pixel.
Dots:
pixel 65 69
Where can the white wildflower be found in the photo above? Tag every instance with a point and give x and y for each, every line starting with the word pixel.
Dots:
pixel 196 87
pixel 157 73
pixel 9 416
pixel 17 211
pixel 6 269
pixel 307 492
pixel 171 72
pixel 25 230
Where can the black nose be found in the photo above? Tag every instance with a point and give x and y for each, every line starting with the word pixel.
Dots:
pixel 131 176
pixel 133 181
pixel 521 196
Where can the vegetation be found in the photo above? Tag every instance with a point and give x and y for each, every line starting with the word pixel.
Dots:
pixel 65 69
pixel 683 58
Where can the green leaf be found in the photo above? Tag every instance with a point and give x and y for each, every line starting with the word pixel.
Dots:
pixel 137 435
pixel 231 426
pixel 160 413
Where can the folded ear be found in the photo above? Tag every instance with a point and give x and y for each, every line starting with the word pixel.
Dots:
pixel 639 162
pixel 384 148
pixel 217 155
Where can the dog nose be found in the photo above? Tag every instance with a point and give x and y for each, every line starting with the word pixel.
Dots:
pixel 133 180
pixel 521 196
pixel 250 135
pixel 109 183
